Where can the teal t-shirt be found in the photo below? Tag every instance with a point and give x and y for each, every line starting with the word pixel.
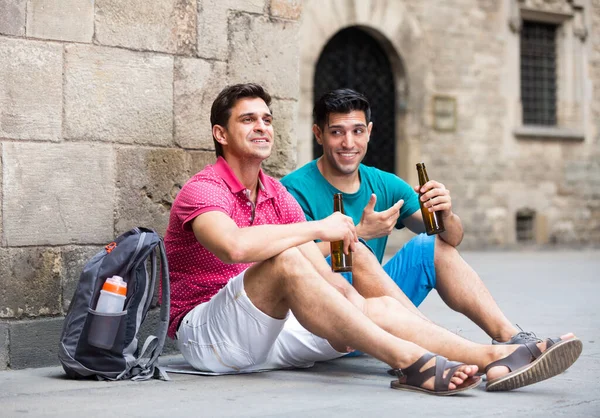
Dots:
pixel 315 196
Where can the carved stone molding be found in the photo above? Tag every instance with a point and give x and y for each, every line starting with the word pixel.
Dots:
pixel 549 6
pixel 579 28
pixel 555 11
pixel 514 17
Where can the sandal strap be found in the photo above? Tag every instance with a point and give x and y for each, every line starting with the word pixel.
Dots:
pixel 416 377
pixel 551 341
pixel 523 355
pixel 441 365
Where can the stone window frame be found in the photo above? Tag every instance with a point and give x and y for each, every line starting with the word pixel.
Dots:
pixel 571 99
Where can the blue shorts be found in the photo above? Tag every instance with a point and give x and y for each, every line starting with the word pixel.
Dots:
pixel 411 268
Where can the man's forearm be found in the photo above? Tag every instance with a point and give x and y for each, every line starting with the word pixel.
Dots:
pixel 259 243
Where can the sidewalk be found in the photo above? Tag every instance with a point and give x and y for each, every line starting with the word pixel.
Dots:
pixel 547 292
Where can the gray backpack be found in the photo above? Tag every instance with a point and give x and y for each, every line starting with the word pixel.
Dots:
pixel 104 345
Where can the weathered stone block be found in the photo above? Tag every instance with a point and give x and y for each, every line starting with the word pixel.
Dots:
pixel 199 160
pixel 4 345
pixel 117 95
pixel 2 239
pixel 287 9
pixel 255 57
pixel 12 17
pixel 64 20
pixel 283 155
pixel 197 83
pixel 73 260
pixel 30 90
pixel 148 181
pixel 34 343
pixel 30 282
pixel 57 194
pixel 212 24
pixel 165 25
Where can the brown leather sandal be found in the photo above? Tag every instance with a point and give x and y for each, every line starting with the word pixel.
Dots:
pixel 415 377
pixel 529 365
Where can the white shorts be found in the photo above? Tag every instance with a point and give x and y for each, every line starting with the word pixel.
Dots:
pixel 229 334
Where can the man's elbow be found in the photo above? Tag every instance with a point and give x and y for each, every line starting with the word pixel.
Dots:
pixel 232 253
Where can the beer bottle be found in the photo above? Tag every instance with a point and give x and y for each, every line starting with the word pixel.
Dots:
pixel 433 220
pixel 340 262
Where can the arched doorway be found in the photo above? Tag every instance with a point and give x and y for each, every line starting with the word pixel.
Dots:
pixel 353 58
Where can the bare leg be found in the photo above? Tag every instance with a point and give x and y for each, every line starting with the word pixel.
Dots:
pixel 370 280
pixel 290 281
pixel 403 320
pixel 461 289
pixel 398 320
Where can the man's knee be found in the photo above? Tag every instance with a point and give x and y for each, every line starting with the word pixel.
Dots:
pixel 443 251
pixel 363 256
pixel 289 262
pixel 379 308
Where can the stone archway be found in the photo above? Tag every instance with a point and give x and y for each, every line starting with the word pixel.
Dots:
pixel 354 59
pixel 398 35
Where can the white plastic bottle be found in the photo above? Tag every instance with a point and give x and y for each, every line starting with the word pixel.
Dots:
pixel 112 296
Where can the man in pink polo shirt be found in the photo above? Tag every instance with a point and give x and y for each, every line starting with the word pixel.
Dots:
pixel 251 290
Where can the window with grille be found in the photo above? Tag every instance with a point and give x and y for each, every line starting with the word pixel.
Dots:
pixel 538 73
pixel 525 225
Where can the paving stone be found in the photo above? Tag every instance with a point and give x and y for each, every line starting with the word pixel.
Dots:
pixel 30 90
pixel 117 95
pixel 50 190
pixel 64 20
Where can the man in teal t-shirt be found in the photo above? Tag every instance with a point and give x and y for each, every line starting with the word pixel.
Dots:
pixel 378 202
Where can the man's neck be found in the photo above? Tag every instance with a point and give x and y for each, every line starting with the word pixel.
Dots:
pixel 347 183
pixel 247 173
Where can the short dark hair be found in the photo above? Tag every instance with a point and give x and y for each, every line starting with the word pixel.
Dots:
pixel 340 101
pixel 220 112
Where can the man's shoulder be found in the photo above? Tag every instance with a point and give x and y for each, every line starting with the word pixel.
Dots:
pixel 300 174
pixel 203 181
pixel 376 173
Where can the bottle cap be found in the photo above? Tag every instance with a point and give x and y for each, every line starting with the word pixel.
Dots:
pixel 115 284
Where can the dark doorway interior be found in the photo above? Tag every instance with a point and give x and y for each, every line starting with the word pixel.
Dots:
pixel 354 59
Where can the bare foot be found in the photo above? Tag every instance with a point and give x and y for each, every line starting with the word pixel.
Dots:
pixel 499 371
pixel 463 373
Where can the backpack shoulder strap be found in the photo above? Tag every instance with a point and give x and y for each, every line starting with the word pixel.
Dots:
pixel 153 345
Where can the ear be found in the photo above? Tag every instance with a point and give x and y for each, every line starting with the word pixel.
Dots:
pixel 219 133
pixel 369 129
pixel 318 134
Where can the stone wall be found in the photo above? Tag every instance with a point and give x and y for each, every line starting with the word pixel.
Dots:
pixel 104 114
pixel 467 49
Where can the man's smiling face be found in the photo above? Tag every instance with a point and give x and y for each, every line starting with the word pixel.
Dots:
pixel 344 138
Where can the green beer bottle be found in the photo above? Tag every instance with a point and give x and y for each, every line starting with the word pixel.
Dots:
pixel 434 223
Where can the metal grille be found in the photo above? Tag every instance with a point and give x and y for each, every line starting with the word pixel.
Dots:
pixel 538 73
pixel 525 225
pixel 353 59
